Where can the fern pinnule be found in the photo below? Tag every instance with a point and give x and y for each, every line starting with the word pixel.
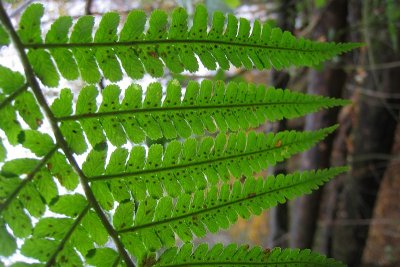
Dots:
pixel 15 98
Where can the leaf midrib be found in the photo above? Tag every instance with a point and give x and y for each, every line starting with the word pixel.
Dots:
pixel 136 228
pixel 178 108
pixel 67 236
pixel 166 41
pixel 188 165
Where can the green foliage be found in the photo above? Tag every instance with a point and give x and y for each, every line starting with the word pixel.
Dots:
pixel 3 151
pixel 4 38
pixel 158 163
pixel 214 208
pixel 206 106
pixel 193 165
pixel 241 256
pixel 10 80
pixel 171 44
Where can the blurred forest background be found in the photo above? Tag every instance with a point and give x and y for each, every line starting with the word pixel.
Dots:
pixel 356 217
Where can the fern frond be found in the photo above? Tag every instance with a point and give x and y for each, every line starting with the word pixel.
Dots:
pixel 28 183
pixel 166 42
pixel 190 165
pixel 58 240
pixel 38 170
pixel 155 222
pixel 209 106
pixel 233 256
pixel 11 185
pixel 15 97
pixel 144 198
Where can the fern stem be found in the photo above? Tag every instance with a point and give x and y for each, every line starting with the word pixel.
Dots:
pixel 31 79
pixel 158 42
pixel 179 108
pixel 30 176
pixel 205 210
pixel 71 230
pixel 11 97
pixel 184 166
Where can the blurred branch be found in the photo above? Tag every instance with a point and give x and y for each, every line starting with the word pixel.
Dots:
pixel 355 222
pixel 88 7
pixel 376 66
pixel 375 94
pixel 315 21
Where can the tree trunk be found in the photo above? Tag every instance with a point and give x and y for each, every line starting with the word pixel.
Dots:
pixel 382 248
pixel 375 123
pixel 329 82
pixel 278 216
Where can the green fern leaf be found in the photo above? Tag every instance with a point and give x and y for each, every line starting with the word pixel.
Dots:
pixel 15 97
pixel 171 44
pixel 9 123
pixel 92 224
pixel 73 134
pixel 69 205
pixel 63 57
pixel 19 166
pixel 106 58
pixel 33 196
pixel 4 37
pixel 155 222
pixel 46 185
pixel 39 143
pixel 60 169
pixel 206 106
pixel 12 85
pixel 29 26
pixel 69 257
pixel 37 188
pixel 7 185
pixel 64 234
pixel 52 227
pixel 82 32
pixel 232 255
pixel 40 249
pixel 61 105
pixel 10 81
pixel 3 151
pixel 16 218
pixel 28 109
pixel 30 33
pixel 32 200
pixel 192 164
pixel 8 243
pixel 102 257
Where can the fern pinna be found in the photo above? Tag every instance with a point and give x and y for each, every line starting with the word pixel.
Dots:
pixel 192 165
